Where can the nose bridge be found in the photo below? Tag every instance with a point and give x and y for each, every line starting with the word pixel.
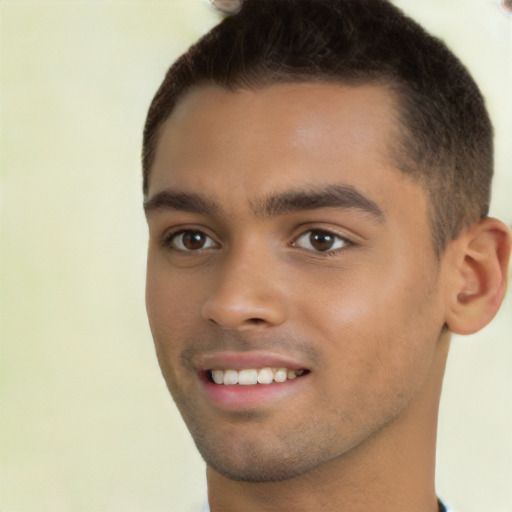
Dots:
pixel 246 292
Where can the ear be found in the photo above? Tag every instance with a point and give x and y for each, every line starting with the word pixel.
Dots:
pixel 478 280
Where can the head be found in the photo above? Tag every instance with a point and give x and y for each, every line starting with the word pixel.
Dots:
pixel 315 176
pixel 445 136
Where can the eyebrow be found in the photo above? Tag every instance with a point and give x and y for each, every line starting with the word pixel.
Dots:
pixel 181 201
pixel 331 196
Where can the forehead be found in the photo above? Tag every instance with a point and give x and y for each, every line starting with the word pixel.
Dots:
pixel 255 142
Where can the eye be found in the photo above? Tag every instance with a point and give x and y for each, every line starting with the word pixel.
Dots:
pixel 320 241
pixel 189 240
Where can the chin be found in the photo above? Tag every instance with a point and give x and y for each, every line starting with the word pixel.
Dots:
pixel 269 460
pixel 255 471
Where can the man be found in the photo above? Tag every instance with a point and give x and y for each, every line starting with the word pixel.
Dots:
pixel 316 182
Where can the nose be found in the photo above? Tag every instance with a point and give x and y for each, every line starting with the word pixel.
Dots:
pixel 246 293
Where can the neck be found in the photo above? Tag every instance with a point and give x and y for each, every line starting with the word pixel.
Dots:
pixel 393 470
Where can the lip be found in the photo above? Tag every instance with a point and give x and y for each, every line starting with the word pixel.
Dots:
pixel 259 396
pixel 243 398
pixel 241 360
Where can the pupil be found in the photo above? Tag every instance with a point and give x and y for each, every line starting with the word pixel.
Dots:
pixel 321 241
pixel 193 240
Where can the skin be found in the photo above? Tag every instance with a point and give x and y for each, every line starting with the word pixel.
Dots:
pixel 365 318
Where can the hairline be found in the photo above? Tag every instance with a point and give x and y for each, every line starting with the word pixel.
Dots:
pixel 381 80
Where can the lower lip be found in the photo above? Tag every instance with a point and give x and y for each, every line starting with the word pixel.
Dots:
pixel 239 397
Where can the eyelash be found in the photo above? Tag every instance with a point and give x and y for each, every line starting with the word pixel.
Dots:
pixel 346 243
pixel 170 237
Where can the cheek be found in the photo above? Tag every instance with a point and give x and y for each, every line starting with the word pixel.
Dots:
pixel 389 292
pixel 167 310
pixel 377 325
pixel 168 306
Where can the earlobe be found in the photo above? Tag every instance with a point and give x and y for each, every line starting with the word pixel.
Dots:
pixel 479 267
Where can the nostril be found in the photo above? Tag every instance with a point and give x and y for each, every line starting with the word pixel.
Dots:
pixel 248 323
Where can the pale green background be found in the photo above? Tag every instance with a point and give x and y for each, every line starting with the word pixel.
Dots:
pixel 86 422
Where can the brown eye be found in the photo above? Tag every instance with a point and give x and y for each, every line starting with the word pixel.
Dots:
pixel 320 241
pixel 191 241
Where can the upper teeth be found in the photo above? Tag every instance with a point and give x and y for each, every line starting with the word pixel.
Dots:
pixel 253 376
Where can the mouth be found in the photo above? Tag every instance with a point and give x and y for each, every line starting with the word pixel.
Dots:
pixel 240 381
pixel 253 376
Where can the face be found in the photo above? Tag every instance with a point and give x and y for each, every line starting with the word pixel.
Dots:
pixel 288 254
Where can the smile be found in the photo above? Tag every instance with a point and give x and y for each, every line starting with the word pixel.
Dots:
pixel 234 381
pixel 253 376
